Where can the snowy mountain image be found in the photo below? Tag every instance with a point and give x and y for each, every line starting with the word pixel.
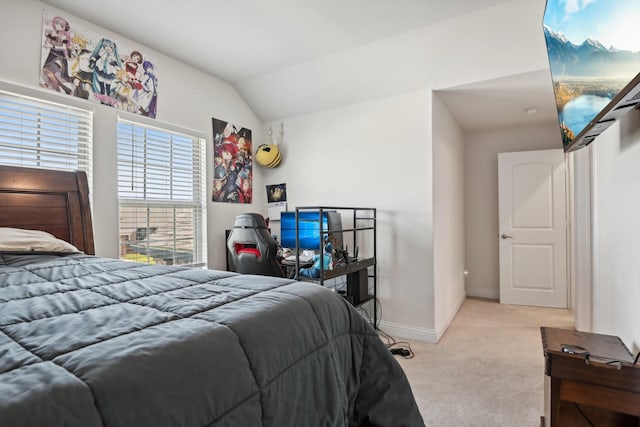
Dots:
pixel 586 78
pixel 588 59
pixel 594 52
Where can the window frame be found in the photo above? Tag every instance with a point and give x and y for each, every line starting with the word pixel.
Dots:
pixel 150 195
pixel 40 133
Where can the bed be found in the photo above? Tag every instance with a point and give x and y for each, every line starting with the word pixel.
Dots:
pixel 91 341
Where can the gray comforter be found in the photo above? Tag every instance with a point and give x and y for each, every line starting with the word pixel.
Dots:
pixel 88 341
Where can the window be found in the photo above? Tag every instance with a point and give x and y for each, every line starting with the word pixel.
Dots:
pixel 41 134
pixel 161 193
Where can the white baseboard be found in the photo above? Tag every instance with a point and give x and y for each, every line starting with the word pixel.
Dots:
pixel 452 315
pixel 488 293
pixel 432 336
pixel 398 330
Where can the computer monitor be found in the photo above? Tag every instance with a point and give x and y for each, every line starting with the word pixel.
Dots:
pixel 309 231
pixel 334 227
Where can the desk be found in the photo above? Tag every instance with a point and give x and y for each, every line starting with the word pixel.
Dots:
pixel 289 267
pixel 602 389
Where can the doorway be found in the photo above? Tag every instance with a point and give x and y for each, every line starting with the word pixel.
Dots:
pixel 532 231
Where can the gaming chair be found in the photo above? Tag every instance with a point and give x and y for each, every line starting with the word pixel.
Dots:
pixel 251 249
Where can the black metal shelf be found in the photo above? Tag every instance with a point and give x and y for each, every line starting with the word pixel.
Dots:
pixel 351 268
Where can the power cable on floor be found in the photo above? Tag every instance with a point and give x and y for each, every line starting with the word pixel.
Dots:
pixel 397 348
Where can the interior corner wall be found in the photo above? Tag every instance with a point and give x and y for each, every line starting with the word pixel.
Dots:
pixel 448 215
pixel 481 198
pixel 374 154
pixel 581 231
pixel 616 233
pixel 187 100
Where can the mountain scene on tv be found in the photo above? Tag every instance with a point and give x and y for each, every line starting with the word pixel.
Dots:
pixel 590 56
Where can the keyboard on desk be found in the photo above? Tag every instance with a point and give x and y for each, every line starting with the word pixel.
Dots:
pixel 302 258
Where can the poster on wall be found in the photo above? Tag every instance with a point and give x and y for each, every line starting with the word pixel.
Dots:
pixel 276 200
pixel 80 62
pixel 232 163
pixel 594 51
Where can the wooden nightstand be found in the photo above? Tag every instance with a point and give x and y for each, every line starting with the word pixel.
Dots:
pixel 598 386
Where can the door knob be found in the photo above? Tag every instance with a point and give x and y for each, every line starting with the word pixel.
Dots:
pixel 506 236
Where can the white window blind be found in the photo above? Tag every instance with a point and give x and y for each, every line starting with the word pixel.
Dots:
pixel 161 192
pixel 41 134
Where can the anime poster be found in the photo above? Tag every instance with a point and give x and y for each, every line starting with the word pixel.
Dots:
pixel 80 62
pixel 232 163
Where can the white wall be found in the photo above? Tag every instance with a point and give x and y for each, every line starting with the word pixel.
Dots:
pixel 448 215
pixel 481 198
pixel 380 152
pixel 374 154
pixel 187 100
pixel 616 230
pixel 580 249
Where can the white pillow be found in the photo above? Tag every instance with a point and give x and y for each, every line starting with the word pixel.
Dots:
pixel 19 240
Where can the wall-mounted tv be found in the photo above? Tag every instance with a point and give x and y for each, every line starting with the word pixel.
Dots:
pixel 594 56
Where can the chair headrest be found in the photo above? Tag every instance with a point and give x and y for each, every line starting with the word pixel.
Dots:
pixel 249 220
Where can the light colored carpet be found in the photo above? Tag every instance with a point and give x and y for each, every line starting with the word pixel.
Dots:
pixel 488 368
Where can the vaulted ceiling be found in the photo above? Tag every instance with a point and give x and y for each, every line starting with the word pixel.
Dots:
pixel 260 46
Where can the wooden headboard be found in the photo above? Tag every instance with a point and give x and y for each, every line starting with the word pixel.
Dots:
pixel 53 201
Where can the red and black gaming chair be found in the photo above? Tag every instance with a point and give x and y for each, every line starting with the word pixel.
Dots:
pixel 251 249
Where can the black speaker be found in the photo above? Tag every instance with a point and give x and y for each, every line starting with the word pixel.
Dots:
pixel 358 286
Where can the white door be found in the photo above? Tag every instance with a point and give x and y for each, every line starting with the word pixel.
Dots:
pixel 532 228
